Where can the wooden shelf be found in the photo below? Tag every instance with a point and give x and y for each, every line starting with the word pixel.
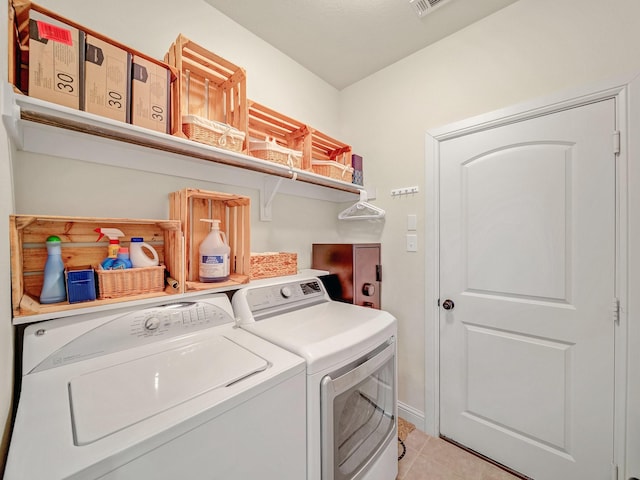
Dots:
pixel 43 127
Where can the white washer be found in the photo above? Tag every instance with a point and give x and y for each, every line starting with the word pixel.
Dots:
pixel 351 373
pixel 164 392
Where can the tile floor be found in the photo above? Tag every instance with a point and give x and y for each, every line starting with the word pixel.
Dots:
pixel 430 458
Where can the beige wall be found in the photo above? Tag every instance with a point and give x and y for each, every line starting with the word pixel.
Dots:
pixel 529 49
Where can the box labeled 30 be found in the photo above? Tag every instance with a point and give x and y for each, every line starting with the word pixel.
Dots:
pixel 150 95
pixel 107 80
pixel 56 62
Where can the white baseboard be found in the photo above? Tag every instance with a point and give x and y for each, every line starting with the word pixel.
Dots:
pixel 412 415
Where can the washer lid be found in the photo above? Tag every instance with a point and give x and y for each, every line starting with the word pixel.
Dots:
pixel 108 400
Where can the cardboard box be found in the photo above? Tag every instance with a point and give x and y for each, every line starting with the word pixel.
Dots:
pixel 56 62
pixel 107 86
pixel 150 98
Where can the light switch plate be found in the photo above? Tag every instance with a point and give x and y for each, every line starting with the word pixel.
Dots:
pixel 412 242
pixel 412 222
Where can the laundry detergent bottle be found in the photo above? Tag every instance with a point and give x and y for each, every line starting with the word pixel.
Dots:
pixel 214 255
pixel 139 258
pixel 53 288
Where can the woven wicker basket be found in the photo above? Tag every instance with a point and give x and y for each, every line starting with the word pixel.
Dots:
pixel 333 169
pixel 271 151
pixel 130 281
pixel 273 264
pixel 212 133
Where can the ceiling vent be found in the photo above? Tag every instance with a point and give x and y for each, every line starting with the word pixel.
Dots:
pixel 423 7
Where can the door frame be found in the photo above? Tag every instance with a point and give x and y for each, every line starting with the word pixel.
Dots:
pixel 626 92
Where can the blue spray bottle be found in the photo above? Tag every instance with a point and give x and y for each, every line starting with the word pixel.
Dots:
pixel 53 288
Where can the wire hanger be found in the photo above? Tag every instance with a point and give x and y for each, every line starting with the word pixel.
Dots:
pixel 361 210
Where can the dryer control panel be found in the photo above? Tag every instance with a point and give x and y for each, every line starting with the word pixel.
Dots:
pixel 127 330
pixel 269 300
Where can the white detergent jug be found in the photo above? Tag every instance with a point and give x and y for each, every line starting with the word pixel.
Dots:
pixel 138 256
pixel 214 255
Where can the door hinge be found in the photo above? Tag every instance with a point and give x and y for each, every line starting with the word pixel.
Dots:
pixel 616 310
pixel 616 142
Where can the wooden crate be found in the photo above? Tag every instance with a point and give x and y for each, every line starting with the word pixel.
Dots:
pixel 80 247
pixel 324 147
pixel 211 87
pixel 265 123
pixel 327 149
pixel 19 52
pixel 233 211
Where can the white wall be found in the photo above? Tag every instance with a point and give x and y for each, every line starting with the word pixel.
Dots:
pixel 529 49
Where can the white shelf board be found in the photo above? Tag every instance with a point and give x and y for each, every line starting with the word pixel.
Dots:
pixel 42 127
pixel 134 304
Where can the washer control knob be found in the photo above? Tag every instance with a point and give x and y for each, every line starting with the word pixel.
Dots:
pixel 151 323
pixel 285 292
pixel 369 289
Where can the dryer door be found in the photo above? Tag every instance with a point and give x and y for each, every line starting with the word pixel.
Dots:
pixel 358 414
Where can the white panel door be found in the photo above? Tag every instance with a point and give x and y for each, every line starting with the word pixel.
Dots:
pixel 527 256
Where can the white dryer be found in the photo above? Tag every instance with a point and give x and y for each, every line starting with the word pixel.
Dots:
pixel 165 392
pixel 351 373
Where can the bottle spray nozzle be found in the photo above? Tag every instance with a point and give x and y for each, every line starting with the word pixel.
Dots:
pixel 112 233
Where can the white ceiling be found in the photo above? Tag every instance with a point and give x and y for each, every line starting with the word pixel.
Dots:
pixel 343 41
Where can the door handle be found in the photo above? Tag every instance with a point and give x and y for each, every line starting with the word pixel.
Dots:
pixel 448 304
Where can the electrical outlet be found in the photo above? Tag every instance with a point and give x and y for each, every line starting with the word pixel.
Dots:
pixel 412 242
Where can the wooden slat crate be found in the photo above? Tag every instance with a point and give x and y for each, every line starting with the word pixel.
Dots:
pixel 211 87
pixel 233 211
pixel 327 149
pixel 80 247
pixel 19 52
pixel 265 122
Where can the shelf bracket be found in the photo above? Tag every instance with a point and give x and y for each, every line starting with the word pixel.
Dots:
pixel 267 193
pixel 11 115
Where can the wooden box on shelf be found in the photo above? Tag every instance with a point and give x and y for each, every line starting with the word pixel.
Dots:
pixel 80 247
pixel 212 89
pixel 329 157
pixel 19 35
pixel 233 211
pixel 265 123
